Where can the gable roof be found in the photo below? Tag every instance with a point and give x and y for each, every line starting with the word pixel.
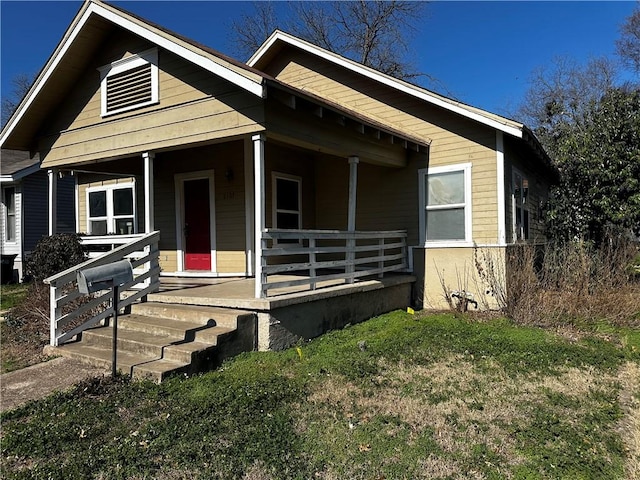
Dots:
pixel 279 39
pixel 89 25
pixel 17 165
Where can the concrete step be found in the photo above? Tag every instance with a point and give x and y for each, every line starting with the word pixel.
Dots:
pixel 191 313
pixel 163 339
pixel 139 366
pixel 179 329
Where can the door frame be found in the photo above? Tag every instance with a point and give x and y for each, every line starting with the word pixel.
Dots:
pixel 179 179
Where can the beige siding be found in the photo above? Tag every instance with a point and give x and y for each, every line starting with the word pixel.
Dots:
pixel 226 160
pixel 194 106
pixel 454 139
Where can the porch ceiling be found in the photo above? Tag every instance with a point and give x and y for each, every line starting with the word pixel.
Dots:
pixel 312 123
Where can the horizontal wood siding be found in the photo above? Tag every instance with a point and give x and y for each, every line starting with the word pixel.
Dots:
pixel 226 160
pixel 454 139
pixel 194 106
pixel 35 208
pixel 537 196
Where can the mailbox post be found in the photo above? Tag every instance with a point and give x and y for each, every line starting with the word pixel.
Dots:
pixel 104 277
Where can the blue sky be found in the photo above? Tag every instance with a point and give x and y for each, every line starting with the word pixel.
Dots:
pixel 483 52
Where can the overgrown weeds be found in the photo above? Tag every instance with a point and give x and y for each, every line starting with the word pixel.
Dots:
pixel 573 283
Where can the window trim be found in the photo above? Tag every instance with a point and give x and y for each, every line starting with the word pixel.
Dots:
pixel 6 214
pixel 423 173
pixel 119 66
pixel 274 194
pixel 518 233
pixel 110 217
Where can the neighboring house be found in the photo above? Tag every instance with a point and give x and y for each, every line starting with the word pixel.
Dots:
pixel 165 134
pixel 25 197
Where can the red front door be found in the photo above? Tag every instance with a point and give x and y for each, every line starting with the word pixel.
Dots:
pixel 197 227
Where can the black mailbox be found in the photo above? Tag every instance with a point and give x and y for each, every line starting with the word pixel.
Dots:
pixel 104 277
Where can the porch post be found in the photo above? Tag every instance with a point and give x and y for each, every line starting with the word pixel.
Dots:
pixel 353 189
pixel 259 208
pixel 249 204
pixel 148 158
pixel 53 202
pixel 351 219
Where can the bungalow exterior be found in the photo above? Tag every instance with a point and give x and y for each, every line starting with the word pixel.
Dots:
pixel 299 160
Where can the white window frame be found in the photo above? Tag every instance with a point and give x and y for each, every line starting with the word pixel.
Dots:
pixel 518 231
pixel 7 215
pixel 423 173
pixel 274 193
pixel 110 217
pixel 143 58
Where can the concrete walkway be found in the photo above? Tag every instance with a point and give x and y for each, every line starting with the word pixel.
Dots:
pixel 38 381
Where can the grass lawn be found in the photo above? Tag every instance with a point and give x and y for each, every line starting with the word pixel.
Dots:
pixel 396 397
pixel 11 295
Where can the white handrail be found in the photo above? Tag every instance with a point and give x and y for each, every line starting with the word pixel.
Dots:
pixel 141 250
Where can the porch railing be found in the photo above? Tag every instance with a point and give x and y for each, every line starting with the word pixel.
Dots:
pixel 329 255
pixel 65 308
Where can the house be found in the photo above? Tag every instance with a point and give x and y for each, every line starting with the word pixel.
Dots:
pixel 23 214
pixel 299 169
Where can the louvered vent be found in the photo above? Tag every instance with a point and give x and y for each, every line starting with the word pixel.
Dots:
pixel 129 88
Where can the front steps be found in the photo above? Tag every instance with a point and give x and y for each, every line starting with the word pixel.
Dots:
pixel 159 339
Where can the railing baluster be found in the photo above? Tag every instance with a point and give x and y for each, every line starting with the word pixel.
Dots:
pixel 312 261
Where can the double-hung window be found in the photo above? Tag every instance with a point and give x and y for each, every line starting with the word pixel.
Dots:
pixel 111 210
pixel 9 200
pixel 520 193
pixel 129 83
pixel 287 204
pixel 445 202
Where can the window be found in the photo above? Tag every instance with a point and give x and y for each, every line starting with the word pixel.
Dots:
pixel 520 193
pixel 111 210
pixel 445 204
pixel 9 200
pixel 129 83
pixel 287 204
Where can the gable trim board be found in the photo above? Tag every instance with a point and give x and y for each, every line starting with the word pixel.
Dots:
pixel 254 85
pixel 499 123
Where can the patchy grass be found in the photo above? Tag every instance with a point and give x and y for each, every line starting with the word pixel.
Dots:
pixel 399 396
pixel 25 330
pixel 11 295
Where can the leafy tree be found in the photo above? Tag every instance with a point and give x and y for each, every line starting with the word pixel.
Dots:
pixel 375 32
pixel 628 45
pixel 21 84
pixel 599 158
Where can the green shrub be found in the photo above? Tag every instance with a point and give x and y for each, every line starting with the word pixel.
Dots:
pixel 54 254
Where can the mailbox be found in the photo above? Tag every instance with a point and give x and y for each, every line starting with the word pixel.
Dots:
pixel 104 277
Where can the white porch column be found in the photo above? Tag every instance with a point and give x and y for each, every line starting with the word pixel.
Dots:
pixel 351 218
pixel 249 205
pixel 353 190
pixel 259 208
pixel 149 224
pixel 53 202
pixel 502 205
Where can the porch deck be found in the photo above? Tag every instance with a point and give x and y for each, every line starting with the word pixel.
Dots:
pixel 239 293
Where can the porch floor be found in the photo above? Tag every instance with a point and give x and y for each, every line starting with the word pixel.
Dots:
pixel 235 292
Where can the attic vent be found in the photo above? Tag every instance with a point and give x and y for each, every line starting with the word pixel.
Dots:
pixel 130 83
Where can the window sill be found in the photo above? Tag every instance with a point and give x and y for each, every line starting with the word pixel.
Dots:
pixel 448 244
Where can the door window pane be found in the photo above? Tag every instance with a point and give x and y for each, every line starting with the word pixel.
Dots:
pixel 287 195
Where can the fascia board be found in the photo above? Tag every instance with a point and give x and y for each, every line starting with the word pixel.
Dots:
pixel 247 84
pixel 381 78
pixel 252 86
